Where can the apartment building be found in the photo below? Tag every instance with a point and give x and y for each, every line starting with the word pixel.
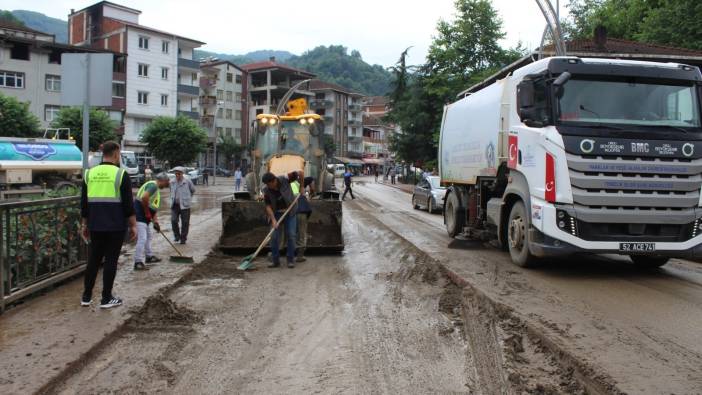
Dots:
pixel 268 81
pixel 341 111
pixel 161 78
pixel 30 70
pixel 376 132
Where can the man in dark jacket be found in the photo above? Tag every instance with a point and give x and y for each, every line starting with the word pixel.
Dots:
pixel 278 196
pixel 107 211
pixel 347 183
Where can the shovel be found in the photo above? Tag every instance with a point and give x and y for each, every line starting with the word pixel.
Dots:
pixel 247 263
pixel 180 258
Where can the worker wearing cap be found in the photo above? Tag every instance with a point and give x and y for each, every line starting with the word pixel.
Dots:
pixel 146 204
pixel 182 190
pixel 107 210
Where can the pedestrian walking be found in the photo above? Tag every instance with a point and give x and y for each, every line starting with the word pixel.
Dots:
pixel 392 175
pixel 278 196
pixel 206 177
pixel 182 190
pixel 237 179
pixel 107 211
pixel 304 211
pixel 347 184
pixel 146 204
pixel 148 173
pixel 376 175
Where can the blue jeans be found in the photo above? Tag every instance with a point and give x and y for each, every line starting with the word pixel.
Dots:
pixel 290 227
pixel 238 184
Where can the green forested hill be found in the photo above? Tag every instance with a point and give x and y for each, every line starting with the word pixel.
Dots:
pixel 43 23
pixel 334 64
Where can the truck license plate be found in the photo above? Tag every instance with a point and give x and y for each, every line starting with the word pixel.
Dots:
pixel 637 247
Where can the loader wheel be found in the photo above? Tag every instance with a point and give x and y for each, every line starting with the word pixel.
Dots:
pixel 648 262
pixel 453 215
pixel 518 236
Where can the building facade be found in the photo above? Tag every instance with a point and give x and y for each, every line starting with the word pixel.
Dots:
pixel 30 70
pixel 341 111
pixel 160 76
pixel 376 133
pixel 268 82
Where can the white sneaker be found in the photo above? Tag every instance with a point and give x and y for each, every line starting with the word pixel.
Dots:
pixel 113 302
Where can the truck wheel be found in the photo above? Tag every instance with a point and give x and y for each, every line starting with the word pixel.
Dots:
pixel 430 207
pixel 414 203
pixel 452 215
pixel 518 236
pixel 648 262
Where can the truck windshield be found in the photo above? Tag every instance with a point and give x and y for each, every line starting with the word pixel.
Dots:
pixel 630 102
pixel 129 159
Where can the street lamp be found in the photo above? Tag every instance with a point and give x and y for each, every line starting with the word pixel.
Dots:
pixel 214 133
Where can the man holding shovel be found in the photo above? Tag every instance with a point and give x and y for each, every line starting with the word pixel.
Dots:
pixel 278 197
pixel 146 204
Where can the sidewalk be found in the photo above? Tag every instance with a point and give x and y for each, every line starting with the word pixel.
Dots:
pixel 42 337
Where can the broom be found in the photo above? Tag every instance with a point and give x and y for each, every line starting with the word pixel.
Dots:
pixel 180 258
pixel 247 263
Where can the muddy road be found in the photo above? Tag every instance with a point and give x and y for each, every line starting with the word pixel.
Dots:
pixel 638 331
pixel 381 318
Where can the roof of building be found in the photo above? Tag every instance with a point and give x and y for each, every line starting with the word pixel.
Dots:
pixel 376 101
pixel 110 4
pixel 221 62
pixel 150 29
pixel 5 24
pixel 272 64
pixel 619 46
pixel 375 120
pixel 319 85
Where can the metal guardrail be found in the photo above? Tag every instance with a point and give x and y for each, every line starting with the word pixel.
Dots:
pixel 40 244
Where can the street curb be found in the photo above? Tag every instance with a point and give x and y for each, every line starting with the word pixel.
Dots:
pixel 396 187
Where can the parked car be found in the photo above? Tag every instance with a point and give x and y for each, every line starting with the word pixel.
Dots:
pixel 191 173
pixel 429 194
pixel 221 172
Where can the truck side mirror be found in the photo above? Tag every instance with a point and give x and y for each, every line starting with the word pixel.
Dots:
pixel 525 100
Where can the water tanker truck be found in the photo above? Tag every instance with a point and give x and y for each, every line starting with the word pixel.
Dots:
pixel 283 144
pixel 572 155
pixel 31 166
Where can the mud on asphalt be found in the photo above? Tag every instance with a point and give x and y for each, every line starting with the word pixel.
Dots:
pixel 505 354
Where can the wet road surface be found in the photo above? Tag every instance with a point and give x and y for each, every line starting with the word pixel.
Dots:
pixel 640 328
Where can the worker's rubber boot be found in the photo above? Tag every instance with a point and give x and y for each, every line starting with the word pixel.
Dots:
pixel 275 262
pixel 300 255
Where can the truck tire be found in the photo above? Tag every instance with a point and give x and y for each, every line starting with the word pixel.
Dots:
pixel 518 236
pixel 648 262
pixel 430 206
pixel 453 215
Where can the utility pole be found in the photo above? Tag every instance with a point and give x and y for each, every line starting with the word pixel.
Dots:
pixel 86 114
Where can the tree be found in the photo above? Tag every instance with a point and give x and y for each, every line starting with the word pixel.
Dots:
pixel 7 16
pixel 16 120
pixel 329 145
pixel 101 127
pixel 228 147
pixel 175 140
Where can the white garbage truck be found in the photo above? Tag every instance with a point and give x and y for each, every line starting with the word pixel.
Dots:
pixel 575 155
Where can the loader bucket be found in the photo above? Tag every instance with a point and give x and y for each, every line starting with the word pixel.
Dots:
pixel 244 226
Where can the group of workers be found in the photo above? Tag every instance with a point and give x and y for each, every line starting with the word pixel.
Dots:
pixel 109 210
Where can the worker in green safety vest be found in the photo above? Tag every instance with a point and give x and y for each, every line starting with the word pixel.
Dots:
pixel 146 204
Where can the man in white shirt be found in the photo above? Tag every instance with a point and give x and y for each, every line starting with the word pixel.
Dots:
pixel 237 179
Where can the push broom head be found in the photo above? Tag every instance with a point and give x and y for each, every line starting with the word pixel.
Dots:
pixel 181 259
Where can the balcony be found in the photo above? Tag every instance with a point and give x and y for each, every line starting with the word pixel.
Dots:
pixel 208 101
pixel 320 103
pixel 190 114
pixel 356 139
pixel 207 121
pixel 188 64
pixel 354 122
pixel 354 107
pixel 188 90
pixel 208 82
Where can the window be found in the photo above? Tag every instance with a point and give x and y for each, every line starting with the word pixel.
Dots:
pixel 53 83
pixel 218 131
pixel 319 96
pixel 238 97
pixel 238 79
pixel 143 42
pixel 230 77
pixel 118 89
pixel 193 77
pixel 353 131
pixel 9 79
pixel 143 98
pixel 51 112
pixel 229 113
pixel 237 132
pixel 55 57
pixel 219 113
pixel 164 46
pixel 229 96
pixel 220 94
pixel 143 70
pixel 228 131
pixel 19 51
pixel 164 100
pixel 119 65
pixel 164 73
pixel 238 114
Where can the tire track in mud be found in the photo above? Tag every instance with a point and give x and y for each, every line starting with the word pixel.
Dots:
pixel 510 354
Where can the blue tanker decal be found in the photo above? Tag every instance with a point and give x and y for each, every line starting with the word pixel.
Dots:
pixel 34 151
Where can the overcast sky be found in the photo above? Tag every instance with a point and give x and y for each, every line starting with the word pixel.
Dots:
pixel 379 29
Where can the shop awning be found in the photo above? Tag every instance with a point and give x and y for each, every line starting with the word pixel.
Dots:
pixel 372 161
pixel 349 161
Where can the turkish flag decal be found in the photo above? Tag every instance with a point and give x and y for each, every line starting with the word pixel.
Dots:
pixel 513 150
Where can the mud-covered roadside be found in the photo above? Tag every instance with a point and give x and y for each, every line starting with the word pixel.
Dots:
pixel 382 318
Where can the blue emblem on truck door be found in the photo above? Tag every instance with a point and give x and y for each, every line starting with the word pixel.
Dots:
pixel 34 151
pixel 490 155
